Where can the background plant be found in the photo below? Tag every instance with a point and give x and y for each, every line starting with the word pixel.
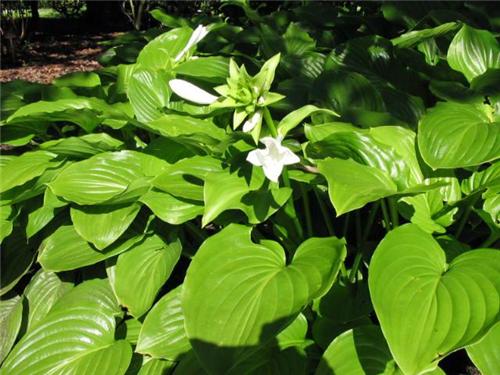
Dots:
pixel 139 236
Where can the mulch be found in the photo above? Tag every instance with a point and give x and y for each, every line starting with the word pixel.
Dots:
pixel 46 57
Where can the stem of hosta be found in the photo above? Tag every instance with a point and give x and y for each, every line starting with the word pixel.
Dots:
pixel 393 209
pixel 385 215
pixel 196 232
pixel 355 266
pixel 307 211
pixel 370 220
pixel 465 217
pixel 272 128
pixel 493 237
pixel 324 213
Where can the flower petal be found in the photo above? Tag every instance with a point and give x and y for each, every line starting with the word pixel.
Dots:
pixel 252 122
pixel 288 157
pixel 273 170
pixel 198 34
pixel 255 157
pixel 188 91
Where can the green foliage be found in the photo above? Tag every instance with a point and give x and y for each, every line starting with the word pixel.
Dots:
pixel 288 188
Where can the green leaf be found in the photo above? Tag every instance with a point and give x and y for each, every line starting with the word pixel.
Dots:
pixel 157 367
pixel 425 207
pixel 26 167
pixel 148 93
pixel 83 147
pixel 162 50
pixel 171 209
pixel 361 350
pixel 294 118
pixel 5 222
pixel 76 337
pixel 101 179
pixel 163 334
pixel 473 51
pixel 11 314
pixel 228 191
pixel 178 126
pixel 65 250
pixel 142 271
pixel 185 178
pixel 103 225
pixel 78 79
pixel 213 68
pixel 352 185
pixel 414 37
pixel 234 289
pixel 15 260
pixel 426 307
pixel 453 135
pixel 43 291
pixel 486 353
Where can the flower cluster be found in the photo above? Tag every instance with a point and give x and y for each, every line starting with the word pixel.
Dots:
pixel 249 96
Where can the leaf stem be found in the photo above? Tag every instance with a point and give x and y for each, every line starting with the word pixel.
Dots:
pixel 385 214
pixel 295 219
pixel 196 232
pixel 355 267
pixel 324 213
pixel 307 211
pixel 393 209
pixel 370 220
pixel 465 217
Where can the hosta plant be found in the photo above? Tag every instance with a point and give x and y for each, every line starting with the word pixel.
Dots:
pixel 308 189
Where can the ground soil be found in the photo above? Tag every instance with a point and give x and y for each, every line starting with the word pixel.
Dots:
pixel 46 57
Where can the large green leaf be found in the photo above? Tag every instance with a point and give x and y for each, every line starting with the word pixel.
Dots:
pixel 426 307
pixel 486 353
pixel 294 118
pixel 453 135
pixel 229 191
pixel 43 291
pixel 11 314
pixel 361 350
pixel 141 272
pixel 26 167
pixel 241 294
pixel 163 334
pixel 65 250
pixel 414 37
pixel 161 51
pixel 148 93
pixel 473 51
pixel 104 177
pixel 352 185
pixel 103 225
pixel 75 338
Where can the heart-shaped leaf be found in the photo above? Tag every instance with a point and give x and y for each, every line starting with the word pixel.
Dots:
pixel 241 294
pixel 426 307
pixel 454 135
pixel 473 51
pixel 76 337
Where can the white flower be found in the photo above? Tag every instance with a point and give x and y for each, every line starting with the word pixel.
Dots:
pixel 255 119
pixel 198 34
pixel 188 91
pixel 272 158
